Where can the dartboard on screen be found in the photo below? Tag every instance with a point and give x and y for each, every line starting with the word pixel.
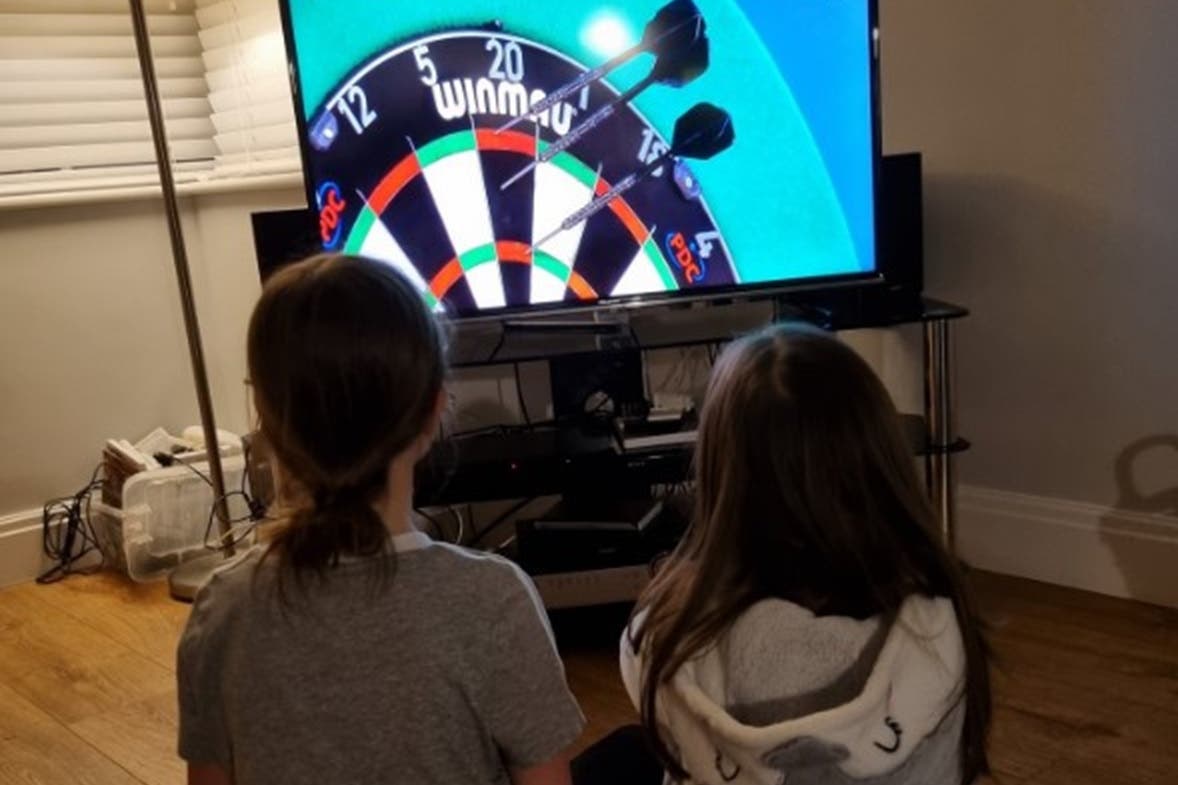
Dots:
pixel 515 156
pixel 414 169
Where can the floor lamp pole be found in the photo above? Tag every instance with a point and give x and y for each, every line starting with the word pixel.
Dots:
pixel 187 578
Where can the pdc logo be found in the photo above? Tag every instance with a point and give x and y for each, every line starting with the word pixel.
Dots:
pixel 683 251
pixel 331 207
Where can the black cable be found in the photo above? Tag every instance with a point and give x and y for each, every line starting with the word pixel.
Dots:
pixel 190 468
pixel 499 521
pixel 245 465
pixel 256 511
pixel 229 539
pixel 519 392
pixel 499 344
pixel 67 536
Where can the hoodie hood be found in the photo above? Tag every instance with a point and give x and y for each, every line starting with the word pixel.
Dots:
pixel 886 701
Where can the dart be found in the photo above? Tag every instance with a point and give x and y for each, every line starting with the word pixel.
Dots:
pixel 674 67
pixel 675 21
pixel 702 132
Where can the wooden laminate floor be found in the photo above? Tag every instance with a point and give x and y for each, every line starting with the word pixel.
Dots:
pixel 1086 688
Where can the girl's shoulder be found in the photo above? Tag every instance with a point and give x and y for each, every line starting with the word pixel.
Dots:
pixel 774 624
pixel 779 660
pixel 223 592
pixel 483 579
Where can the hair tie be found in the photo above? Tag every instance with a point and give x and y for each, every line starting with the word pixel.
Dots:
pixel 337 498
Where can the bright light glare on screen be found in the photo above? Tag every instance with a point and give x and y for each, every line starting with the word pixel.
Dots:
pixel 607 34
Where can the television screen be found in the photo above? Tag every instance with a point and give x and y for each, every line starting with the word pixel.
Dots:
pixel 514 155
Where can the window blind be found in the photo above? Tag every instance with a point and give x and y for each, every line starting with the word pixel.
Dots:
pixel 72 115
pixel 248 88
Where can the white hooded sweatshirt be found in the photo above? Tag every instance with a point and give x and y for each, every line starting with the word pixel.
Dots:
pixel 788 698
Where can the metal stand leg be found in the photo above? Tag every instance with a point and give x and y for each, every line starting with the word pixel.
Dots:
pixel 942 429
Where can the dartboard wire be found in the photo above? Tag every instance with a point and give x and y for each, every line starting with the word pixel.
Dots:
pixel 474 133
pixel 573 260
pixel 642 248
pixel 452 224
pixel 581 239
pixel 571 278
pixel 412 273
pixel 592 195
pixel 490 221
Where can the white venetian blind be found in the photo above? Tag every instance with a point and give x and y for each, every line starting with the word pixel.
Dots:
pixel 248 88
pixel 72 116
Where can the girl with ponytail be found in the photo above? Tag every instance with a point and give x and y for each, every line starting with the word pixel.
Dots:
pixel 352 649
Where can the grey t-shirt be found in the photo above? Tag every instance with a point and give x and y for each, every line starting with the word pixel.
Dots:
pixel 446 675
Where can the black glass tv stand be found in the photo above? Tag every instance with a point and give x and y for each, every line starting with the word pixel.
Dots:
pixel 933 431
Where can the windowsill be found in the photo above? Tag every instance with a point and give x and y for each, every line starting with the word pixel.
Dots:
pixel 151 191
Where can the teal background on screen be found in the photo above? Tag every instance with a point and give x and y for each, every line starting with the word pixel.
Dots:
pixel 792 197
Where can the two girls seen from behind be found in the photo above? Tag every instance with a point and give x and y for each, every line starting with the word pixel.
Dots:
pixel 810 626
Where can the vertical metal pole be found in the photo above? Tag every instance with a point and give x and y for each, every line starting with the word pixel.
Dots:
pixel 942 429
pixel 183 276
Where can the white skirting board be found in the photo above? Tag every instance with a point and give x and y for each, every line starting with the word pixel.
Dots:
pixel 21 558
pixel 1086 546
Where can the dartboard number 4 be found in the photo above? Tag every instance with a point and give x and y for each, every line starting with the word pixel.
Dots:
pixel 706 242
pixel 353 105
pixel 507 60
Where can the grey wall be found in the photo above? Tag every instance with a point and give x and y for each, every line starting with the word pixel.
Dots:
pixel 92 342
pixel 1050 129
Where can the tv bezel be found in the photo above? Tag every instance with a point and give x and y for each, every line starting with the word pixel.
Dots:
pixel 741 291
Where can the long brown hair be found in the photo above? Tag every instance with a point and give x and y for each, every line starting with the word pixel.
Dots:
pixel 806 491
pixel 347 365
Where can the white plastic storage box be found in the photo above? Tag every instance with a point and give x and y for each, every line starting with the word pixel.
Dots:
pixel 164 518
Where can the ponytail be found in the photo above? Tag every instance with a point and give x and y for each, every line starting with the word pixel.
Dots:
pixel 332 524
pixel 347 365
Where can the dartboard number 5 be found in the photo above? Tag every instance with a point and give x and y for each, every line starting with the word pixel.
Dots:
pixel 353 105
pixel 429 71
pixel 507 60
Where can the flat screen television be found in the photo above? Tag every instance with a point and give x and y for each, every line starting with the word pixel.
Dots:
pixel 480 145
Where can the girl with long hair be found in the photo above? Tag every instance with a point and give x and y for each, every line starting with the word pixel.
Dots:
pixel 353 649
pixel 810 629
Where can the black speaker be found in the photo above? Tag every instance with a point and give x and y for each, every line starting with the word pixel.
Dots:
pixel 900 243
pixel 282 237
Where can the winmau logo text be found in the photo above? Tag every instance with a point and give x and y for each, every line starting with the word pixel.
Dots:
pixel 459 97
